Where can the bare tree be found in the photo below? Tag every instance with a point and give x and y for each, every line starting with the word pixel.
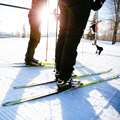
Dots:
pixel 115 9
pixel 24 32
pixel 17 34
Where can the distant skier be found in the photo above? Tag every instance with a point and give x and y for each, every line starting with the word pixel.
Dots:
pixel 99 49
pixel 35 30
pixel 74 15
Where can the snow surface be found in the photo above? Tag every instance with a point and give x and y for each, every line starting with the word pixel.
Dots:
pixel 95 102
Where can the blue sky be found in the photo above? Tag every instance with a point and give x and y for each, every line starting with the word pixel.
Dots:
pixel 12 19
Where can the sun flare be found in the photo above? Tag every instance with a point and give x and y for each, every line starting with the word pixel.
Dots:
pixel 48 18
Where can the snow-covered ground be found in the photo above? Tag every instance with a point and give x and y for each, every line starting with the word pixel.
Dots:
pixel 95 102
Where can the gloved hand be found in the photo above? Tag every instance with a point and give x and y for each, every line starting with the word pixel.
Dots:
pixel 97 4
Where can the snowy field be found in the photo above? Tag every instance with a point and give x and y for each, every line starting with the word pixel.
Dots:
pixel 95 102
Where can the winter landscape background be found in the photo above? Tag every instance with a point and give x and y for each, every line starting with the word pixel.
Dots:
pixel 100 101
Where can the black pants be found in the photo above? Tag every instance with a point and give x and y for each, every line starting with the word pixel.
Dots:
pixel 73 18
pixel 35 27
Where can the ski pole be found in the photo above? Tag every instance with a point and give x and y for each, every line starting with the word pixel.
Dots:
pixel 47 32
pixel 53 20
pixel 95 41
pixel 8 5
pixel 56 25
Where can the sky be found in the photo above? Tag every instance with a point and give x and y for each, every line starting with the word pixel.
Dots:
pixel 13 19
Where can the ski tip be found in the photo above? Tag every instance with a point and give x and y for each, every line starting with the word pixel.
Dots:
pixel 111 69
pixel 15 87
pixel 5 104
pixel 118 74
pixel 18 87
pixel 10 103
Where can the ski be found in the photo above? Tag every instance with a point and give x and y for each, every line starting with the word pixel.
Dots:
pixel 50 65
pixel 74 76
pixel 44 65
pixel 55 91
pixel 39 63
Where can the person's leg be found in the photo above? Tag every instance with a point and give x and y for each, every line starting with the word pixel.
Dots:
pixel 32 44
pixel 35 30
pixel 62 35
pixel 79 11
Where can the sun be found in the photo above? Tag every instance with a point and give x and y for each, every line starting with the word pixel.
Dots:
pixel 46 14
pixel 48 18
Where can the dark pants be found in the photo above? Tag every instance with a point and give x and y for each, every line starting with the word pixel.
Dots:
pixel 73 18
pixel 35 26
pixel 34 18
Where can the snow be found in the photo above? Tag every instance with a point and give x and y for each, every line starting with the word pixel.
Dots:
pixel 95 102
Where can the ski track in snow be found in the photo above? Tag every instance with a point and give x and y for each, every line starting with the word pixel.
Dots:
pixel 95 102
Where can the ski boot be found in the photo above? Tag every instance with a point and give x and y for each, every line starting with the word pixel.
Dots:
pixel 57 75
pixel 64 85
pixel 29 59
pixel 32 62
